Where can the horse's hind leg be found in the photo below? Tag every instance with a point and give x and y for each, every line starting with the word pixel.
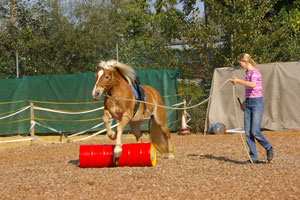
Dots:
pixel 166 130
pixel 160 135
pixel 160 118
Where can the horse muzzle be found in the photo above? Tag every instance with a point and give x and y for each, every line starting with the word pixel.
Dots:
pixel 97 93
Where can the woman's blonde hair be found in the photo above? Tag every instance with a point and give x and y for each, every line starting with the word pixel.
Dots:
pixel 246 58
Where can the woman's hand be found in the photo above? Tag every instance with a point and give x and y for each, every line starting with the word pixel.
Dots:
pixel 234 80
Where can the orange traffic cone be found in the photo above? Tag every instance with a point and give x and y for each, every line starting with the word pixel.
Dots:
pixel 184 129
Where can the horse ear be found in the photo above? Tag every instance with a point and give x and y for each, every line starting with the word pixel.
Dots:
pixel 106 65
pixel 101 63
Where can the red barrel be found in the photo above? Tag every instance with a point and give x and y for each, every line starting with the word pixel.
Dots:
pixel 96 156
pixel 140 154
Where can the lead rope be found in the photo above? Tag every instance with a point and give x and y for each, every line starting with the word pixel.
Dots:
pixel 238 122
pixel 168 107
pixel 117 98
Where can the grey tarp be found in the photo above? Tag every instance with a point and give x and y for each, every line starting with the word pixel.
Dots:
pixel 281 93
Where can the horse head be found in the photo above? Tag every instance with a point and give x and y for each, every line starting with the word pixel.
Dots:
pixel 105 76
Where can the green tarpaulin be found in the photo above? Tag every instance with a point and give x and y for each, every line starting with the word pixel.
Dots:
pixel 69 93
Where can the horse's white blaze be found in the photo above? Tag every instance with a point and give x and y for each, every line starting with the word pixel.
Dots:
pixel 100 73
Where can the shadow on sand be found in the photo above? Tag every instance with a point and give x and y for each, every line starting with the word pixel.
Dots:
pixel 74 162
pixel 224 159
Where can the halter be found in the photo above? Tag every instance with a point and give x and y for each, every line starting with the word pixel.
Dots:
pixel 112 80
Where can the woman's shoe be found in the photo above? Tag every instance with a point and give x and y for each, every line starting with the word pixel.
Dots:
pixel 270 154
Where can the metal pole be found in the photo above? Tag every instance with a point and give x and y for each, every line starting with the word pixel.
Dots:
pixel 17 64
pixel 117 51
pixel 184 106
pixel 32 121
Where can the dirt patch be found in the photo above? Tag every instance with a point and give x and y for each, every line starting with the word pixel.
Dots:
pixel 205 167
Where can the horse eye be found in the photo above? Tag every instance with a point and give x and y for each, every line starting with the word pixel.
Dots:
pixel 106 77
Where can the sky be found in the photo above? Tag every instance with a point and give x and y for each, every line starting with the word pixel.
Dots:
pixel 199 4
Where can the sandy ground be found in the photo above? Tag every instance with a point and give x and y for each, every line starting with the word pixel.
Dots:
pixel 205 167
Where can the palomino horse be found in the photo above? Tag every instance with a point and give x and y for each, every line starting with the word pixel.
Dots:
pixel 114 79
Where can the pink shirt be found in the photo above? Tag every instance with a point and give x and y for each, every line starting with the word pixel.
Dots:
pixel 255 77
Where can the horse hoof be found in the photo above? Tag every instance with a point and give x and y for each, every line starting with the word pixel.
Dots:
pixel 112 135
pixel 117 151
pixel 171 156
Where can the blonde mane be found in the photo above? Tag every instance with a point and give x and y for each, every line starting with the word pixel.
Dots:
pixel 127 72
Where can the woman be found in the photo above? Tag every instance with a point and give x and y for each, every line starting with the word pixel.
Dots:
pixel 253 107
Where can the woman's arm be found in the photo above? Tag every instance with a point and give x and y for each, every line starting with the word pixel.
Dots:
pixel 235 80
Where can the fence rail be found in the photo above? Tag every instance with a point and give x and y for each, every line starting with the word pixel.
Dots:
pixel 36 121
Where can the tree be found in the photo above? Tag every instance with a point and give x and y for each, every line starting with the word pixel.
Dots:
pixel 8 40
pixel 286 30
pixel 149 33
pixel 59 36
pixel 56 36
pixel 232 27
pixel 265 29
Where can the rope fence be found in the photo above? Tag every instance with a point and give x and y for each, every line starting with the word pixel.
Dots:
pixel 35 121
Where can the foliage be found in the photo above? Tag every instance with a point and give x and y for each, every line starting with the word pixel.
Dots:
pixel 149 34
pixel 233 27
pixel 55 36
pixel 286 32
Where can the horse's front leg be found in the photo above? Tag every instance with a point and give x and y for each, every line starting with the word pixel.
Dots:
pixel 118 148
pixel 106 117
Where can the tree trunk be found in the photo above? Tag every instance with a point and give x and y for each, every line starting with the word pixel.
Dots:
pixel 12 10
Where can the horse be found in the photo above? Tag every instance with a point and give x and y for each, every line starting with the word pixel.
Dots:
pixel 114 80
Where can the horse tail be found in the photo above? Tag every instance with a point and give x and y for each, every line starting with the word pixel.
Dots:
pixel 157 136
